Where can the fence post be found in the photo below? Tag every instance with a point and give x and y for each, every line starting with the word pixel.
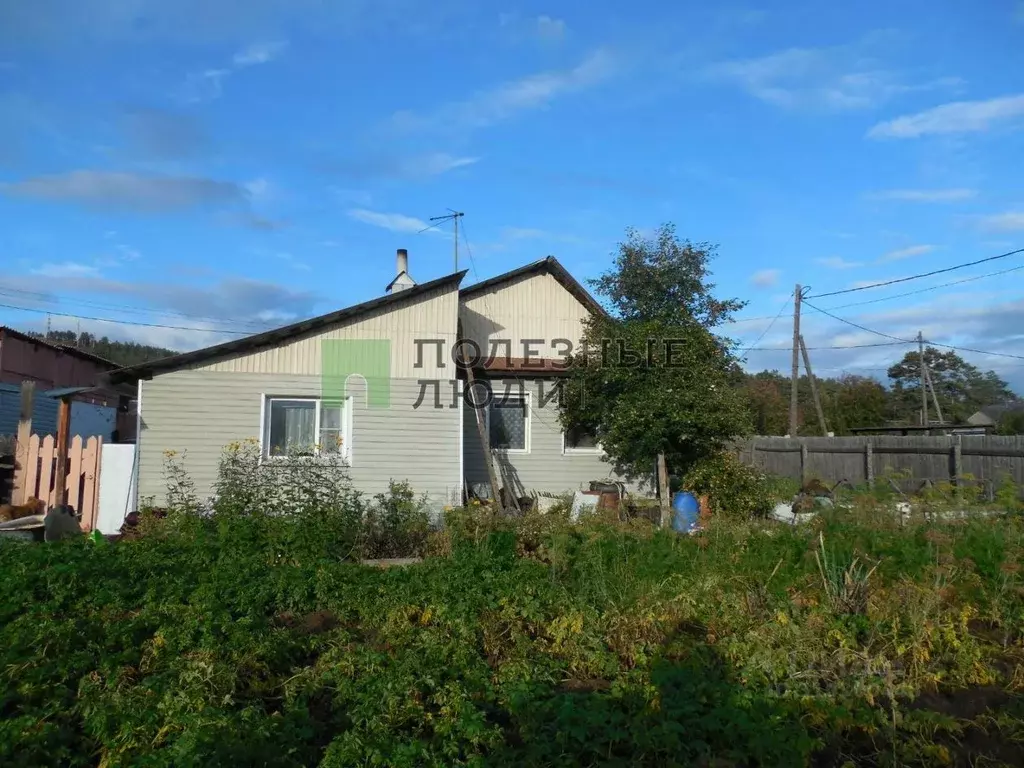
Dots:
pixel 958 461
pixel 869 463
pixel 803 462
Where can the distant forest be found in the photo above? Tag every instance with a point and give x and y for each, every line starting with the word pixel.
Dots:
pixel 123 353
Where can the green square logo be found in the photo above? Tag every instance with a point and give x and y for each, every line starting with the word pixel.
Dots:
pixel 366 359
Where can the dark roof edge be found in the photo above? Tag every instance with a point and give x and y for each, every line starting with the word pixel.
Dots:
pixel 549 265
pixel 276 335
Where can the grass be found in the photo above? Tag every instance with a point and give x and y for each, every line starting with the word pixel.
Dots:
pixel 246 639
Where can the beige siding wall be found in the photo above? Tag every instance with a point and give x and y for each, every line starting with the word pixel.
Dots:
pixel 533 307
pixel 200 412
pixel 546 467
pixel 432 316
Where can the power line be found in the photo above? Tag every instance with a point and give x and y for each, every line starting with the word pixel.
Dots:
pixel 907 341
pixel 931 288
pixel 765 332
pixel 43 298
pixel 125 322
pixel 917 277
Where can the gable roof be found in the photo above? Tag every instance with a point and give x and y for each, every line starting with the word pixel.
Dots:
pixel 277 335
pixel 81 354
pixel 548 265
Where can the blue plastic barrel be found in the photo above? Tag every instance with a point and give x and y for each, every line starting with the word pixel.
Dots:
pixel 685 512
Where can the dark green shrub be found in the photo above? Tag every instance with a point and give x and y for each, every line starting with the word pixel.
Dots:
pixel 734 489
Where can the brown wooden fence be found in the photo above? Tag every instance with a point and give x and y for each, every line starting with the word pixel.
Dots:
pixel 36 475
pixel 941 458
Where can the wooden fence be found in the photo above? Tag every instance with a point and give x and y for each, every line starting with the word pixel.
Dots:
pixel 36 475
pixel 942 458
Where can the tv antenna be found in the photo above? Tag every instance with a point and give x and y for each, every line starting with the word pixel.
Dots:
pixel 453 217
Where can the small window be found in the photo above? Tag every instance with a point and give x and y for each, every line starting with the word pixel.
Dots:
pixel 581 439
pixel 303 427
pixel 509 422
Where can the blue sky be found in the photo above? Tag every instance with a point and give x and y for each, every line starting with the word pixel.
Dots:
pixel 220 165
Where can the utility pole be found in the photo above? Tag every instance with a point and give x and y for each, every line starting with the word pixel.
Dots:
pixel 814 388
pixel 453 217
pixel 797 295
pixel 924 381
pixel 935 397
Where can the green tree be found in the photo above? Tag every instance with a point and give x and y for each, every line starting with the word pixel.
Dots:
pixel 666 279
pixel 1011 423
pixel 960 387
pixel 653 378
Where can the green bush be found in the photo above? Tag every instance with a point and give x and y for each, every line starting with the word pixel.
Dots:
pixel 734 489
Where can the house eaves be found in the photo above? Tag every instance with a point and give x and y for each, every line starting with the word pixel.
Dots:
pixel 81 354
pixel 277 335
pixel 549 266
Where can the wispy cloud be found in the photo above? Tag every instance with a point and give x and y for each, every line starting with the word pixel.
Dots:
pixel 837 262
pixel 510 99
pixel 369 166
pixel 765 278
pixel 550 29
pixel 66 269
pixel 955 117
pixel 208 84
pixel 1011 221
pixel 260 53
pixel 907 253
pixel 838 78
pixel 395 222
pixel 164 135
pixel 925 195
pixel 127 191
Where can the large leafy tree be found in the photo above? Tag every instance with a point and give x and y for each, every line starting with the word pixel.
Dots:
pixel 653 377
pixel 961 388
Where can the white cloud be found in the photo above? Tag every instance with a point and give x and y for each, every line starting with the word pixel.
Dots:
pixel 955 117
pixel 907 253
pixel 926 195
pixel 259 53
pixel 837 262
pixel 258 189
pixel 434 164
pixel 765 278
pixel 1011 221
pixel 127 191
pixel 550 29
pixel 396 222
pixel 207 85
pixel 510 99
pixel 66 269
pixel 837 79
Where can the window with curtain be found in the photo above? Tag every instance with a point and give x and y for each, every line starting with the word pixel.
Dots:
pixel 303 427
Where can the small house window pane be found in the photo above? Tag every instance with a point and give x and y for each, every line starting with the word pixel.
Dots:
pixel 291 428
pixel 331 438
pixel 580 438
pixel 508 424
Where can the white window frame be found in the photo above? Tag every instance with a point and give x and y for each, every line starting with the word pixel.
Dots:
pixel 597 450
pixel 527 399
pixel 346 425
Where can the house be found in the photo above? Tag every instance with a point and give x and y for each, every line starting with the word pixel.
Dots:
pixel 52 367
pixel 377 382
pixel 990 415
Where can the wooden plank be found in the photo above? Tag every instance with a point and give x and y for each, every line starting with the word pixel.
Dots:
pixel 91 469
pixel 60 477
pixel 663 490
pixel 21 490
pixel 869 464
pixel 32 469
pixel 74 475
pixel 46 470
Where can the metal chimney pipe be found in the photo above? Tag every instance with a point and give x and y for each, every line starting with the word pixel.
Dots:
pixel 402 262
